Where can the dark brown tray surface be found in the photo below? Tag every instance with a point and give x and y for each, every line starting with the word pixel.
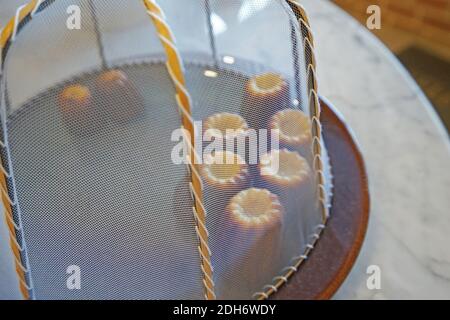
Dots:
pixel 332 259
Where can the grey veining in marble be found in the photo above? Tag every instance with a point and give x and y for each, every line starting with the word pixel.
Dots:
pixel 407 153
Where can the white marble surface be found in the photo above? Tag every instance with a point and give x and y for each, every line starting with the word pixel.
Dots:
pixel 408 158
pixel 407 153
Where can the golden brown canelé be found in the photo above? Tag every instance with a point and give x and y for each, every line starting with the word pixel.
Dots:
pixel 284 169
pixel 76 107
pixel 294 128
pixel 226 125
pixel 118 97
pixel 253 238
pixel 229 128
pixel 255 208
pixel 265 94
pixel 225 171
pixel 289 176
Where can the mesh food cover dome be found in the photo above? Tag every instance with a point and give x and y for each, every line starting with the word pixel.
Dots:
pixel 162 149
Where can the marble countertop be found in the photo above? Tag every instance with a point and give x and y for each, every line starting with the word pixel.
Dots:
pixel 407 154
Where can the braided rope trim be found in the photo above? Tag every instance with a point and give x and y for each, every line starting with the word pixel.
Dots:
pixel 176 71
pixel 315 111
pixel 7 185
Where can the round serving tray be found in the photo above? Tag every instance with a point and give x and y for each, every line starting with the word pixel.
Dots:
pixel 334 255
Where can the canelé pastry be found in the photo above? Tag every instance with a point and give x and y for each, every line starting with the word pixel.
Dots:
pixel 289 176
pixel 118 97
pixel 294 131
pixel 225 171
pixel 76 107
pixel 230 128
pixel 225 124
pixel 253 236
pixel 255 209
pixel 284 169
pixel 265 94
pixel 223 174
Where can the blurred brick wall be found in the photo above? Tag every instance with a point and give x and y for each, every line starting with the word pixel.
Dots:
pixel 429 19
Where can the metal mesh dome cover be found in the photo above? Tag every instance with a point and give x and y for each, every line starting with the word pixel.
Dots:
pixel 88 174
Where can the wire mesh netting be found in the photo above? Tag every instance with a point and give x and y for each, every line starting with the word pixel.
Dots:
pixel 89 117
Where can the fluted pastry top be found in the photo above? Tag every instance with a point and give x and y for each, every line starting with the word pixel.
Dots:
pixel 219 123
pixel 255 208
pixel 284 168
pixel 266 84
pixel 224 170
pixel 294 127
